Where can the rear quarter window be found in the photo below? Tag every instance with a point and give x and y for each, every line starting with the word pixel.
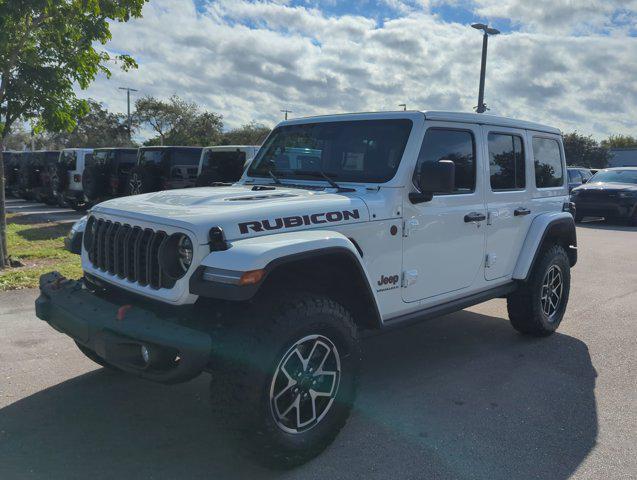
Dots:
pixel 547 157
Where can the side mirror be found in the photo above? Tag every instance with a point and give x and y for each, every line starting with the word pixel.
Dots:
pixel 434 177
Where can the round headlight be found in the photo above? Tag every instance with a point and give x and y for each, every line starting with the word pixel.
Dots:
pixel 176 255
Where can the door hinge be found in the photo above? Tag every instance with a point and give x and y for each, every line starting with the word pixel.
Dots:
pixel 409 225
pixel 410 277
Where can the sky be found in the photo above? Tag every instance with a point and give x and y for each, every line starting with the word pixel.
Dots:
pixel 568 63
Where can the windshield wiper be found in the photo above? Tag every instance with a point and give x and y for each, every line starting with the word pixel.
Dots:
pixel 274 177
pixel 326 176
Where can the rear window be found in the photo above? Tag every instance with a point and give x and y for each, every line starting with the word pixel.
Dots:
pixel 69 159
pixel 221 160
pixel 547 157
pixel 186 157
pixel 574 176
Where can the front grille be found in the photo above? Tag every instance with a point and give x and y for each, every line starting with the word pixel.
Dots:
pixel 597 194
pixel 128 251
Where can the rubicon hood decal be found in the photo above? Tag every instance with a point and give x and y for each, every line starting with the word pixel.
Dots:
pixel 298 221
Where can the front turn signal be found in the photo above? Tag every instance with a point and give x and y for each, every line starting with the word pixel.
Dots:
pixel 252 277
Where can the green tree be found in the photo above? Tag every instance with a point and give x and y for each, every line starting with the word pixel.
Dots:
pixel 585 151
pixel 98 128
pixel 47 47
pixel 178 122
pixel 620 141
pixel 250 134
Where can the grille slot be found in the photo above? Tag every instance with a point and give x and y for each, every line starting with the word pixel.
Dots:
pixel 129 252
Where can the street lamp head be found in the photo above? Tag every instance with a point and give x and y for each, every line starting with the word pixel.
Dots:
pixel 479 26
pixel 493 31
pixel 486 29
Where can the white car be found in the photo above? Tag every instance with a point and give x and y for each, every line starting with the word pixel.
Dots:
pixel 224 164
pixel 341 223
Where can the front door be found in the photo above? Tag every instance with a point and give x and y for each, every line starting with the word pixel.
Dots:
pixel 508 175
pixel 444 239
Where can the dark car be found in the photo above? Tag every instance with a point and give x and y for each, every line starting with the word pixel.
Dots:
pixel 164 168
pixel 107 173
pixel 611 193
pixel 12 171
pixel 30 175
pixel 578 176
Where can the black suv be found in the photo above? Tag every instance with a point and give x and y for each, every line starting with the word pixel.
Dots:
pixel 164 168
pixel 34 181
pixel 107 173
pixel 611 193
pixel 578 176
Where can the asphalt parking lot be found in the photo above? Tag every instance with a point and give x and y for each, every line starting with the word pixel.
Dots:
pixel 460 397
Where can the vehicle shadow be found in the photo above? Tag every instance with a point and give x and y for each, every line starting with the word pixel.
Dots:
pixel 461 397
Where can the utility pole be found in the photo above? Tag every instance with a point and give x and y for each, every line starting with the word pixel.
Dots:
pixel 130 126
pixel 286 113
pixel 404 105
pixel 481 108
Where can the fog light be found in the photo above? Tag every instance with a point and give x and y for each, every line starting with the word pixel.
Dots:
pixel 145 354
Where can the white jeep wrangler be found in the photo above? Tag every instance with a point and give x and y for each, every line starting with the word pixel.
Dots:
pixel 340 224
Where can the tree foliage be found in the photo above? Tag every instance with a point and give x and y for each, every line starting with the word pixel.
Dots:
pixel 585 151
pixel 620 141
pixel 98 128
pixel 250 134
pixel 179 122
pixel 46 48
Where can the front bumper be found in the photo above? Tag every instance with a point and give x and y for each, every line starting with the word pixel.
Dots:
pixel 618 209
pixel 116 332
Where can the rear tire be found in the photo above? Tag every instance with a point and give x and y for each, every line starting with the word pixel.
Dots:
pixel 96 358
pixel 265 380
pixel 537 307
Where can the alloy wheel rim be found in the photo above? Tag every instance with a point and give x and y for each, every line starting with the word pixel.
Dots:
pixel 552 291
pixel 305 384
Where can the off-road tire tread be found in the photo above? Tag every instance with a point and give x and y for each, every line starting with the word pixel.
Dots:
pixel 233 394
pixel 524 310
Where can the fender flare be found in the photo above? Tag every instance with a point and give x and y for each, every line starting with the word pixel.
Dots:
pixel 223 269
pixel 555 224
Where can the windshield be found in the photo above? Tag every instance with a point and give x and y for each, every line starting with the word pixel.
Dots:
pixel 615 176
pixel 357 151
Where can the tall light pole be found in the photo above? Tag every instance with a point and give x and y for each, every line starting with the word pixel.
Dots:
pixel 404 105
pixel 286 113
pixel 481 108
pixel 130 126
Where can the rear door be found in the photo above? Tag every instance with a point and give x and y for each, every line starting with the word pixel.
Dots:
pixel 184 165
pixel 508 174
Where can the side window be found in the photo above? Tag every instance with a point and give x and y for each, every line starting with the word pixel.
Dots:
pixel 548 163
pixel 574 176
pixel 506 162
pixel 455 145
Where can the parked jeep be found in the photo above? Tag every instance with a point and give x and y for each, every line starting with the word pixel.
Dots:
pixel 107 173
pixel 12 171
pixel 46 164
pixel 66 178
pixel 30 174
pixel 224 164
pixel 268 283
pixel 164 168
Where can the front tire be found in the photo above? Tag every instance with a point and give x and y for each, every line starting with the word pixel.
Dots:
pixel 537 307
pixel 284 383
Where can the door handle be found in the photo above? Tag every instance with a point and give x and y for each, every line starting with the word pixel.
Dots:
pixel 520 212
pixel 475 217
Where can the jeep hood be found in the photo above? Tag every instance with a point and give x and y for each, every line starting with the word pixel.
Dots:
pixel 240 211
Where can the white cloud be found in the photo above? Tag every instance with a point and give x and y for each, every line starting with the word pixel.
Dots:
pixel 248 60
